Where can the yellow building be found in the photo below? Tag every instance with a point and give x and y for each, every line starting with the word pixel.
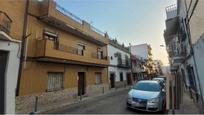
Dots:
pixel 64 57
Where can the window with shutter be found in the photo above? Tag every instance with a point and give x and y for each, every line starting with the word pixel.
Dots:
pixel 55 81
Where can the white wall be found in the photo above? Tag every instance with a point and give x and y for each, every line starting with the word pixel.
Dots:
pixel 140 50
pixel 117 71
pixel 112 50
pixel 11 74
pixel 190 61
pixel 113 63
pixel 199 56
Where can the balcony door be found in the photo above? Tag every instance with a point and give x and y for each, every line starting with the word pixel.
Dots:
pixel 3 62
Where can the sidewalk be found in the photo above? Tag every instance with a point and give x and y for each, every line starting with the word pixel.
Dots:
pixel 85 99
pixel 188 106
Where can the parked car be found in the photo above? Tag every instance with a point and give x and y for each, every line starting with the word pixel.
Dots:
pixel 161 79
pixel 147 95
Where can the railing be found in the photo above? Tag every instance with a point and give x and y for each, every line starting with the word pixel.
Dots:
pixel 95 56
pixel 171 8
pixel 77 19
pixel 68 49
pixel 5 22
pixel 123 62
pixel 69 14
pixel 171 11
pixel 97 30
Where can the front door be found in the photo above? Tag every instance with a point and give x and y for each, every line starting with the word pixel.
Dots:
pixel 129 80
pixel 81 83
pixel 112 80
pixel 3 62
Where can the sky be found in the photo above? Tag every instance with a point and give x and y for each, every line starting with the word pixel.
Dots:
pixel 130 21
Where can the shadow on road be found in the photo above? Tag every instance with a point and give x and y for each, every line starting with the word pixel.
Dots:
pixel 145 112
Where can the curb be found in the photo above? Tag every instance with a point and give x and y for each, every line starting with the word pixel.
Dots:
pixel 84 100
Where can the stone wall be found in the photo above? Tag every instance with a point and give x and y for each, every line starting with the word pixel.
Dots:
pixel 51 100
pixel 120 84
pixel 94 90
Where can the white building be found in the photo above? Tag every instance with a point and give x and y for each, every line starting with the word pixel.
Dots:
pixel 137 67
pixel 9 64
pixel 144 52
pixel 119 71
pixel 140 50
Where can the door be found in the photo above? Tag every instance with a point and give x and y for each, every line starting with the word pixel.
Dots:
pixel 112 80
pixel 129 80
pixel 3 62
pixel 81 83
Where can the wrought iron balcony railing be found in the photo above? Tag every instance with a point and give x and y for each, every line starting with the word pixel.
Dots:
pixel 124 62
pixel 95 55
pixel 69 14
pixel 77 19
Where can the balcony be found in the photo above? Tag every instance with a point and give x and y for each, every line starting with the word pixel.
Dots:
pixel 48 50
pixel 171 11
pixel 96 56
pixel 172 23
pixel 124 63
pixel 60 18
pixel 177 60
pixel 5 22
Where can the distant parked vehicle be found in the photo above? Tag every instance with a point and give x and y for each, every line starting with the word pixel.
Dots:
pixel 147 95
pixel 161 79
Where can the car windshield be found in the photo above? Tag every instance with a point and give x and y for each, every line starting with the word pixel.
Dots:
pixel 147 86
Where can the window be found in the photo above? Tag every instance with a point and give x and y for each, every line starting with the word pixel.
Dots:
pixel 145 86
pixel 99 54
pixel 126 60
pixel 121 76
pixel 119 58
pixel 80 49
pixel 50 35
pixel 98 77
pixel 55 81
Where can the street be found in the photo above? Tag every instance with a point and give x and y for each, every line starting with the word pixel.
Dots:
pixel 58 57
pixel 114 103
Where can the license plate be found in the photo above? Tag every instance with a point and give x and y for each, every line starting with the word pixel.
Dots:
pixel 136 104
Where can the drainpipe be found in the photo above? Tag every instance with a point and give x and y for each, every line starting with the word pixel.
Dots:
pixel 22 46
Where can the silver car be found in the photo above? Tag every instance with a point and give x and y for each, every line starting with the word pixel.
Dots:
pixel 147 95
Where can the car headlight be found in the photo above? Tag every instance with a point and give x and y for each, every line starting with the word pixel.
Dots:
pixel 154 100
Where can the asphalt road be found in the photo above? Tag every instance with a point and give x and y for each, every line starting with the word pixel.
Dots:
pixel 114 103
